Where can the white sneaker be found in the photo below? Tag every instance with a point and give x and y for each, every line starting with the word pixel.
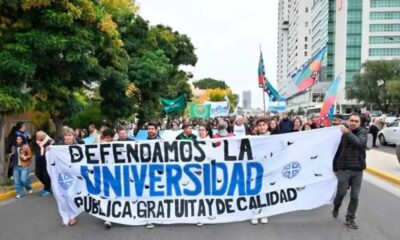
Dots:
pixel 150 226
pixel 107 224
pixel 264 220
pixel 19 196
pixel 30 191
pixel 254 221
pixel 199 224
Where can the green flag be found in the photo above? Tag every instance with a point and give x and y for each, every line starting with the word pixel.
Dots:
pixel 173 105
pixel 199 110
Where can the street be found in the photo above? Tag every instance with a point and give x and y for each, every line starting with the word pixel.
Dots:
pixel 35 217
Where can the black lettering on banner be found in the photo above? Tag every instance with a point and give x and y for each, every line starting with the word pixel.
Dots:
pixel 202 209
pixel 145 153
pixel 219 203
pixel 90 154
pixel 103 152
pixel 259 202
pixel 292 194
pixel 202 156
pixel 253 203
pixel 182 150
pixel 75 153
pixel 150 209
pixel 245 147
pixel 141 209
pixel 179 208
pixel 132 152
pixel 191 203
pixel 228 205
pixel 114 212
pixel 160 210
pixel 283 196
pixel 239 204
pixel 168 202
pixel 157 153
pixel 274 198
pixel 78 202
pixel 209 204
pixel 117 152
pixel 171 147
pixel 127 211
pixel 95 206
pixel 226 152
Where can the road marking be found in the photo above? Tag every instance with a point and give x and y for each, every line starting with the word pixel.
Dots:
pixel 385 185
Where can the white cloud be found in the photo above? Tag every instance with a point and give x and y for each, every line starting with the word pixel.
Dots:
pixel 227 35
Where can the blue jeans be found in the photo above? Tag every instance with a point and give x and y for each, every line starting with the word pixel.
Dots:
pixel 21 179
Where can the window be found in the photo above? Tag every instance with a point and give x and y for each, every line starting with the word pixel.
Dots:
pixel 305 54
pixel 306 9
pixel 305 46
pixel 384 39
pixel 305 39
pixel 384 27
pixel 306 24
pixel 384 15
pixel 384 3
pixel 353 52
pixel 384 52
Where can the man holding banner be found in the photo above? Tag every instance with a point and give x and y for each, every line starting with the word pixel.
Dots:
pixel 348 165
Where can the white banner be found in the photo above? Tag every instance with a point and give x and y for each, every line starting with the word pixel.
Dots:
pixel 216 181
pixel 219 109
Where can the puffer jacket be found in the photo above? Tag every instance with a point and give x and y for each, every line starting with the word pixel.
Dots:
pixel 351 153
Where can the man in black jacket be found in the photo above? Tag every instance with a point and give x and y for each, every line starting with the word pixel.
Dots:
pixel 348 165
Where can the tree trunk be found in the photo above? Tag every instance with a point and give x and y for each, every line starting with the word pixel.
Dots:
pixel 59 127
pixel 3 163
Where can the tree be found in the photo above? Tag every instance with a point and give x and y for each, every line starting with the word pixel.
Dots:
pixel 209 83
pixel 377 84
pixel 57 47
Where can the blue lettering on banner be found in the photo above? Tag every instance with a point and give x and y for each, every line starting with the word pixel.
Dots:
pixel 159 180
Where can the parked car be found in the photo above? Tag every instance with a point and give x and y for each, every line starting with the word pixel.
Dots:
pixel 391 133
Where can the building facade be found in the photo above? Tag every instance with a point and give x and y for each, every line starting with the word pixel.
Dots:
pixel 246 99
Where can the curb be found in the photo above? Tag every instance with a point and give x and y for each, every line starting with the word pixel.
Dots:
pixel 10 194
pixel 384 175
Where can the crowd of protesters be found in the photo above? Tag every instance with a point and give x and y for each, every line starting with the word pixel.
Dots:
pixel 20 151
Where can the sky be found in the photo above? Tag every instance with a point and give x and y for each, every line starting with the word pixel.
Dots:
pixel 227 35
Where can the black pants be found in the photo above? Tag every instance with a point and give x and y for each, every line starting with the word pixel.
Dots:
pixel 43 175
pixel 374 131
pixel 346 179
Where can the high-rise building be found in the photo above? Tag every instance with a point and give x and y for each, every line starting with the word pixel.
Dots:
pixel 246 99
pixel 294 41
pixel 369 30
pixel 354 31
pixel 283 35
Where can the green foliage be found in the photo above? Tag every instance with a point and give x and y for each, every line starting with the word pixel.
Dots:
pixel 377 84
pixel 12 100
pixel 209 83
pixel 90 114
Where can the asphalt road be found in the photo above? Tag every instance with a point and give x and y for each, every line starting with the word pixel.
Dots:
pixel 35 217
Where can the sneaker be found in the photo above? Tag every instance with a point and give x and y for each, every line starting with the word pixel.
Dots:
pixel 254 221
pixel 45 194
pixel 30 191
pixel 199 224
pixel 335 212
pixel 350 223
pixel 107 224
pixel 150 226
pixel 264 220
pixel 19 196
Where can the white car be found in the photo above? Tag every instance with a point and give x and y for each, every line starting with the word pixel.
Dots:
pixel 391 133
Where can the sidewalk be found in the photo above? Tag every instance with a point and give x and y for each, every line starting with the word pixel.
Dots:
pixel 383 165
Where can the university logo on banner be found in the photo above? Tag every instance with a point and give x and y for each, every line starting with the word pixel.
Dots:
pixel 169 181
pixel 199 110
